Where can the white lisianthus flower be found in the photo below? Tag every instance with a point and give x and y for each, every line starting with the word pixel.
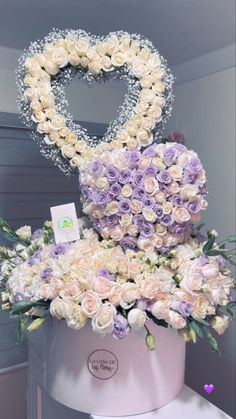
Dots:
pixel 220 324
pixel 136 318
pixel 24 232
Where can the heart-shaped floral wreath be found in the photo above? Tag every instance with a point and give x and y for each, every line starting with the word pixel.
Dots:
pixel 48 65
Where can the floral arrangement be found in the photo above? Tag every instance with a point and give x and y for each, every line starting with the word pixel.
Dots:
pixel 147 200
pixel 51 63
pixel 117 290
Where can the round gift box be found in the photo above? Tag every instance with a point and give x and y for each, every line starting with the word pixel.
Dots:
pixel 110 377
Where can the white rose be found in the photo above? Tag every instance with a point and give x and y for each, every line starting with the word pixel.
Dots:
pixel 68 151
pixel 130 294
pixel 136 318
pixel 145 244
pixel 103 321
pixel 76 319
pixel 59 308
pixel 24 232
pixel 118 59
pixel 95 66
pixel 60 57
pixel 82 46
pixel 74 58
pixel 176 320
pixel 51 67
pixel 90 303
pixel 149 215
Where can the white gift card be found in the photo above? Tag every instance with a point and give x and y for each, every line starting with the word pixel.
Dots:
pixel 65 223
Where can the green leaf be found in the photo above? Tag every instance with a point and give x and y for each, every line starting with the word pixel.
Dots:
pixel 232 304
pixel 197 329
pixel 201 321
pixel 232 238
pixel 22 328
pixel 209 244
pixel 24 306
pixel 214 252
pixel 212 341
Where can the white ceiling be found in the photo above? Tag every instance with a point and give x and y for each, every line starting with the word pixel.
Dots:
pixel 181 29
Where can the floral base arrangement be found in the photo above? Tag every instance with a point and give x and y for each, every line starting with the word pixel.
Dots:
pixel 116 290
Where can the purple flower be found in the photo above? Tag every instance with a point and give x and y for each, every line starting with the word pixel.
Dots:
pixel 194 207
pixel 128 242
pixel 37 234
pixel 164 177
pixel 150 151
pixel 203 259
pixel 125 206
pixel 46 273
pixel 221 261
pixel 138 178
pixel 115 189
pixel 85 191
pixel 187 177
pixel 133 157
pixel 125 176
pixel 138 220
pixel 151 170
pixel 176 137
pixel 98 224
pixel 202 190
pixel 139 193
pixel 145 304
pixel 178 230
pixel 112 173
pixel 177 200
pixel 104 272
pixel 121 327
pixel 112 221
pixel 166 220
pixel 147 229
pixel 100 198
pixel 185 309
pixel 59 249
pixel 194 166
pixel 158 210
pixel 96 167
pixel 35 258
pixel 163 188
pixel 149 202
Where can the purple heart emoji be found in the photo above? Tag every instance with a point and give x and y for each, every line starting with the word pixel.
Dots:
pixel 208 388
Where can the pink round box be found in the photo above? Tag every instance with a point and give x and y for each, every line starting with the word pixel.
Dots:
pixel 109 377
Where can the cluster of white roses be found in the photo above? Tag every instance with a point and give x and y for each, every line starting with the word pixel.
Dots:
pixel 95 56
pixel 92 280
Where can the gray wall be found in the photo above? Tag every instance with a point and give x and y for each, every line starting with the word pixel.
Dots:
pixel 205 112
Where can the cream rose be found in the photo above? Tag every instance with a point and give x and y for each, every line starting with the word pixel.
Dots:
pixel 149 215
pixel 82 46
pixel 176 172
pixel 136 318
pixel 181 215
pixel 76 318
pixel 176 320
pixel 130 294
pixel 149 288
pixel 60 57
pixel 68 151
pixel 112 208
pixel 145 244
pixel 24 232
pixel 200 307
pixel 188 192
pixel 90 303
pixel 102 287
pixel 103 321
pixel 151 185
pixel 136 206
pixel 118 59
pixel 126 219
pixel 126 190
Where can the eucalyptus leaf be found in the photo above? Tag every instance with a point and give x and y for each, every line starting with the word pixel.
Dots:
pixel 232 238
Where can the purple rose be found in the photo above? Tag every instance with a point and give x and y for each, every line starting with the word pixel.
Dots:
pixel 194 166
pixel 202 190
pixel 112 220
pixel 138 220
pixel 125 176
pixel 188 177
pixel 164 177
pixel 163 188
pixel 150 151
pixel 149 202
pixel 59 249
pixel 128 242
pixel 100 198
pixel 98 224
pixel 46 274
pixel 125 206
pixel 147 229
pixel 121 327
pixel 112 173
pixel 151 170
pixel 178 230
pixel 221 261
pixel 85 191
pixel 204 260
pixel 185 309
pixel 166 220
pixel 158 210
pixel 194 207
pixel 133 157
pixel 139 193
pixel 138 178
pixel 97 168
pixel 115 189
pixel 176 137
pixel 177 200
pixel 145 304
